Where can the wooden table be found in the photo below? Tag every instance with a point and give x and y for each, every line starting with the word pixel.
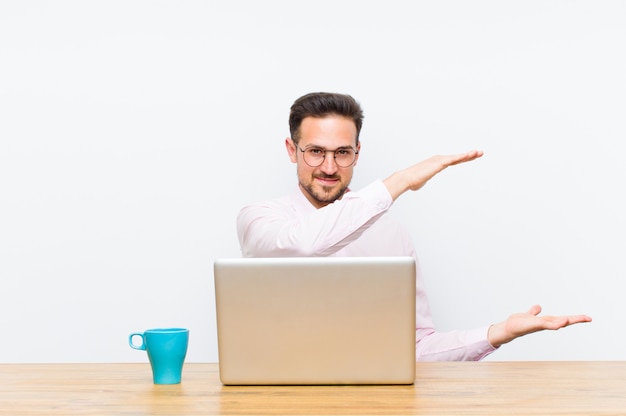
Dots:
pixel 465 388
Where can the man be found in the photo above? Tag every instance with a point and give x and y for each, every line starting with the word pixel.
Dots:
pixel 324 218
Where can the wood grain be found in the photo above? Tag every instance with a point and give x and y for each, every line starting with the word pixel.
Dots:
pixel 458 388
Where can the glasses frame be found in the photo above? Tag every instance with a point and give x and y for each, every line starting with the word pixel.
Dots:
pixel 334 152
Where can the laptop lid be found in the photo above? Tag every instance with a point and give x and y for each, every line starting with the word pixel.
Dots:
pixel 320 320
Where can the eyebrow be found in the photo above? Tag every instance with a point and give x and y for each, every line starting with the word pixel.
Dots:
pixel 323 148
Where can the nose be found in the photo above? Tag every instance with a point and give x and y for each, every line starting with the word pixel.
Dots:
pixel 329 166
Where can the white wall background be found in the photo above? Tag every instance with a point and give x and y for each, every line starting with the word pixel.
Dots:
pixel 133 131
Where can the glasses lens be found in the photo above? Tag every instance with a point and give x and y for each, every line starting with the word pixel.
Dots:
pixel 344 157
pixel 314 157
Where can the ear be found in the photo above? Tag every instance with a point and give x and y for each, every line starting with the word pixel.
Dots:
pixel 291 149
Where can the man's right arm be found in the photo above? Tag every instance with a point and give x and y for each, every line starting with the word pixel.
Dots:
pixel 277 230
pixel 283 228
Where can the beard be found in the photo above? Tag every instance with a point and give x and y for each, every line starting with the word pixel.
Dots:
pixel 324 194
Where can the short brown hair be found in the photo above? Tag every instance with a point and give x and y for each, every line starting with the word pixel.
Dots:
pixel 322 104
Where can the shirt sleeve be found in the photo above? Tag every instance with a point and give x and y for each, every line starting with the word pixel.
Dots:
pixel 275 229
pixel 468 345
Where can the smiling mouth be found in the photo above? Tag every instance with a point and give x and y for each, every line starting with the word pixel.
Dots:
pixel 327 180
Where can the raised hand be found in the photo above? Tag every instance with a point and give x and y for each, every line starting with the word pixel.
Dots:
pixel 416 176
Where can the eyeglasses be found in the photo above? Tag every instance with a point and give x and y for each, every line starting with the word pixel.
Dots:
pixel 315 156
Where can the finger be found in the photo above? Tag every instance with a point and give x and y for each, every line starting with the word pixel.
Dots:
pixel 575 319
pixel 535 310
pixel 465 157
pixel 473 154
pixel 557 322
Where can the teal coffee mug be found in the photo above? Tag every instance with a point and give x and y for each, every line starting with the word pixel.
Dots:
pixel 166 348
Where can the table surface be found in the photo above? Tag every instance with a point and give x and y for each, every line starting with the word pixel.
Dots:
pixel 444 388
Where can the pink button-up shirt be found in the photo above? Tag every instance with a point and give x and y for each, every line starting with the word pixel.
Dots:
pixel 354 226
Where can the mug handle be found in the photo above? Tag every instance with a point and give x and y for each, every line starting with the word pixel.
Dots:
pixel 135 346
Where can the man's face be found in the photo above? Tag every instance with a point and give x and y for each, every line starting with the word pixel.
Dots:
pixel 328 182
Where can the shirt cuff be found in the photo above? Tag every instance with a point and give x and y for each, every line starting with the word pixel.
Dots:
pixel 479 340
